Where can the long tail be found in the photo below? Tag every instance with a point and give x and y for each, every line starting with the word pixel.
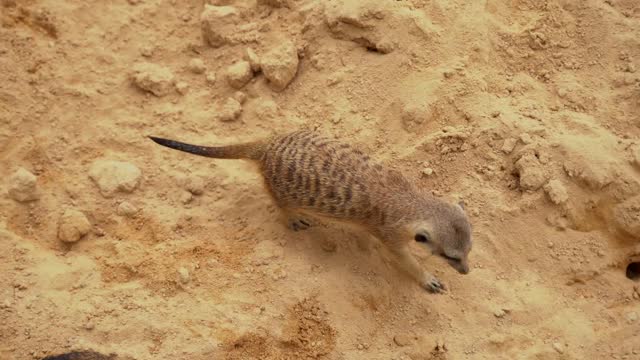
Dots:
pixel 253 150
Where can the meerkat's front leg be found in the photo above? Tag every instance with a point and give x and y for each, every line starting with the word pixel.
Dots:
pixel 409 264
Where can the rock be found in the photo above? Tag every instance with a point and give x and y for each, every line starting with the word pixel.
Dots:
pixel 22 186
pixel 280 65
pixel 626 216
pixel 499 313
pixel 127 209
pixel 114 176
pixel 153 78
pixel 253 60
pixel 218 24
pixel 72 226
pixel 229 110
pixel 183 275
pixel 557 192
pixel 531 171
pixel 89 325
pixel 508 145
pixel 402 339
pixel 632 317
pixel 197 66
pixel 239 74
pixel 558 347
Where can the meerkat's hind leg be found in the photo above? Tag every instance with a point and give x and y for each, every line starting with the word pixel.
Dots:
pixel 296 221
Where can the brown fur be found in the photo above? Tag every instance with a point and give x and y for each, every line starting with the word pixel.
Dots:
pixel 312 175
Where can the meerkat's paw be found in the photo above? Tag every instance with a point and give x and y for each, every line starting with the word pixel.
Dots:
pixel 433 285
pixel 298 224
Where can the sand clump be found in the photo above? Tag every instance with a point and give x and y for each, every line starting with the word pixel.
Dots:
pixel 280 64
pixel 72 226
pixel 253 59
pixel 531 172
pixel 114 176
pixel 626 216
pixel 557 191
pixel 197 66
pixel 153 78
pixel 23 186
pixel 239 74
pixel 126 209
pixel 219 25
pixel 228 110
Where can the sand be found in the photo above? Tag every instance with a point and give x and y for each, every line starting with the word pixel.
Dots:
pixel 527 110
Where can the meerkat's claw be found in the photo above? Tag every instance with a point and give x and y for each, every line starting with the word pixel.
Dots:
pixel 434 285
pixel 297 224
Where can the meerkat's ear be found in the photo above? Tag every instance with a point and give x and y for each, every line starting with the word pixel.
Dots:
pixel 461 204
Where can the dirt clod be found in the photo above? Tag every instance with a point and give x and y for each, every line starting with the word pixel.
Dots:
pixel 22 186
pixel 239 74
pixel 626 216
pixel 114 176
pixel 72 226
pixel 218 24
pixel 229 110
pixel 557 191
pixel 197 66
pixel 280 64
pixel 532 173
pixel 153 78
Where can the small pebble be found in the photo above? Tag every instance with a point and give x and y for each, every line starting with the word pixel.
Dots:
pixel 182 87
pixel 211 78
pixel 632 317
pixel 558 347
pixel 240 97
pixel 427 171
pixel 239 74
pixel 508 145
pixel 197 66
pixel 183 273
pixel 125 208
pixel 402 340
pixel 526 138
pixel 186 197
pixel 499 313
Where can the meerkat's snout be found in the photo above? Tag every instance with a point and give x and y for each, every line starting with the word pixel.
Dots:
pixel 462 265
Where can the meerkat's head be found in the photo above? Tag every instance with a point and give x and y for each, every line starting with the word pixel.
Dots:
pixel 446 232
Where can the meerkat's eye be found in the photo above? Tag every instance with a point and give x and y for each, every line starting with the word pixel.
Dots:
pixel 423 238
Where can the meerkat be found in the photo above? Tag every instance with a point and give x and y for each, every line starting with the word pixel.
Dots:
pixel 311 175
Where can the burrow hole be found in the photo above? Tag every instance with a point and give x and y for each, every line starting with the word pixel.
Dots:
pixel 633 271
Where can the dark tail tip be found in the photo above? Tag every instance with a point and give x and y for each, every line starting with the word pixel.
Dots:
pixel 160 141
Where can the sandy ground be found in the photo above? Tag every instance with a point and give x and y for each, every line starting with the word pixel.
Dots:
pixel 528 110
